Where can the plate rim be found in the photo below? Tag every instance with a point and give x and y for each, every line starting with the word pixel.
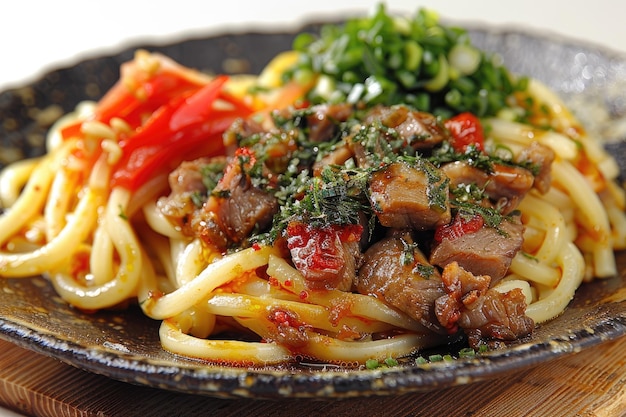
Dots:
pixel 156 373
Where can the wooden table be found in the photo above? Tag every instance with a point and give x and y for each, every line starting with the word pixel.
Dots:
pixel 590 383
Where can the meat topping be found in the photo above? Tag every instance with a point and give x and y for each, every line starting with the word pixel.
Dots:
pixel 483 250
pixel 484 314
pixel 541 157
pixel 324 118
pixel 418 130
pixel 396 271
pixel 505 186
pixel 405 196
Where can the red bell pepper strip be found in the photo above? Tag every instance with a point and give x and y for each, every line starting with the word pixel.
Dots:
pixel 141 91
pixel 187 127
pixel 465 130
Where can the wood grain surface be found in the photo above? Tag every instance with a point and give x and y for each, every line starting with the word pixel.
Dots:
pixel 589 383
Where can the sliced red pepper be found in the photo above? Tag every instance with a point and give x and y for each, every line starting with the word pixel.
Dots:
pixel 198 106
pixel 147 162
pixel 465 130
pixel 180 113
pixel 186 128
pixel 140 92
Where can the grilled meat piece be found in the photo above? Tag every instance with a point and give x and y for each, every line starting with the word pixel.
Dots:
pixel 395 270
pixel 410 196
pixel 483 251
pixel 542 157
pixel 419 130
pixel 505 185
pixel 484 314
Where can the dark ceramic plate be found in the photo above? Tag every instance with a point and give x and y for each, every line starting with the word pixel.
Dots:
pixel 124 345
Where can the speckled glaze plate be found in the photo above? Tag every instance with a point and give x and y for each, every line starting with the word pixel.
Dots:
pixel 124 345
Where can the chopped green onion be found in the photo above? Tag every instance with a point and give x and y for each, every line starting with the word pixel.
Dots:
pixel 467 353
pixel 412 55
pixel 420 360
pixel 382 59
pixel 375 363
pixel 465 58
pixel 441 78
pixel 391 362
pixel 372 363
pixel 453 97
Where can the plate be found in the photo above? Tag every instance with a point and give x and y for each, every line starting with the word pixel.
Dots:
pixel 124 344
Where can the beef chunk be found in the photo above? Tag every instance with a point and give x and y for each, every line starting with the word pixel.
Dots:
pixel 339 156
pixel 541 157
pixel 324 119
pixel 505 185
pixel 484 314
pixel 397 272
pixel 186 182
pixel 242 128
pixel 410 196
pixel 482 250
pixel 231 213
pixel 245 209
pixel 420 130
pixel 236 205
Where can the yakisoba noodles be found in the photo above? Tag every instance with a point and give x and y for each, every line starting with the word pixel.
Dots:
pixel 89 215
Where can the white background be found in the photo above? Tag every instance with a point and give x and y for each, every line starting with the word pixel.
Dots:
pixel 36 36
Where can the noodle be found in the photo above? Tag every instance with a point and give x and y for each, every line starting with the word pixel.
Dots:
pixel 245 353
pixel 552 302
pixel 214 275
pixel 115 286
pixel 519 133
pixel 13 178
